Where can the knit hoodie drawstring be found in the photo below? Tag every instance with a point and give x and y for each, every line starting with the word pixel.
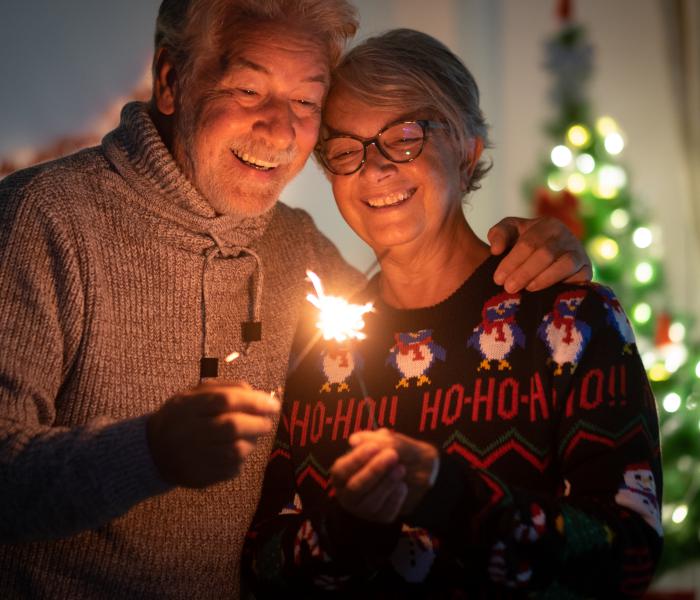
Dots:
pixel 251 329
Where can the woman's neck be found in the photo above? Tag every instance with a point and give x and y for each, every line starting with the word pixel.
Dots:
pixel 415 277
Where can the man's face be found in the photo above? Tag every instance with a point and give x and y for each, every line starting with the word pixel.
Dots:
pixel 241 137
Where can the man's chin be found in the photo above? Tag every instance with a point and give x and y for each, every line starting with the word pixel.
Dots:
pixel 243 206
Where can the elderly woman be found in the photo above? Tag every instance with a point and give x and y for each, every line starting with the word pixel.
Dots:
pixel 478 443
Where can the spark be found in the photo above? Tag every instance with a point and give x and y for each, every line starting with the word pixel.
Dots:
pixel 338 319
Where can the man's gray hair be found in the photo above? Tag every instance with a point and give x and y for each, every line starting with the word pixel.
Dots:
pixel 413 71
pixel 193 30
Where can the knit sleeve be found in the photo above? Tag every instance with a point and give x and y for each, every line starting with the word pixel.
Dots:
pixel 55 481
pixel 602 529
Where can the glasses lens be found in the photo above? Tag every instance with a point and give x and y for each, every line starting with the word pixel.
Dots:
pixel 342 155
pixel 402 142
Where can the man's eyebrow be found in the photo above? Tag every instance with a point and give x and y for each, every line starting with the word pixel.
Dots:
pixel 240 62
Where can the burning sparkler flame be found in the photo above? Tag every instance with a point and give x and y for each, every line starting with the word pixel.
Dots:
pixel 337 318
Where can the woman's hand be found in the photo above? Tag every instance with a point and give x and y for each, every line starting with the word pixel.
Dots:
pixel 368 482
pixel 544 252
pixel 419 459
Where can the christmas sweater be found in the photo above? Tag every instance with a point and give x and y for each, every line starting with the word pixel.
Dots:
pixel 549 483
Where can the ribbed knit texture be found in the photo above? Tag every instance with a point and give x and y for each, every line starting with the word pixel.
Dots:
pixel 105 285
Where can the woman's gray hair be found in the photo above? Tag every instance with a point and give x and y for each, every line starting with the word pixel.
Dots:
pixel 192 31
pixel 413 71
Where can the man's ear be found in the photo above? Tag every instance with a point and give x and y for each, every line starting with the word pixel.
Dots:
pixel 475 146
pixel 165 82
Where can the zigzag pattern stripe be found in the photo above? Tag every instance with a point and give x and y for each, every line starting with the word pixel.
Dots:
pixel 592 433
pixel 506 437
pixel 312 468
pixel 485 462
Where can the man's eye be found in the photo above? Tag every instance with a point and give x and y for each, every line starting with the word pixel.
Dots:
pixel 308 105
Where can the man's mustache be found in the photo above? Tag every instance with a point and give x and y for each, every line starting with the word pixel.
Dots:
pixel 263 151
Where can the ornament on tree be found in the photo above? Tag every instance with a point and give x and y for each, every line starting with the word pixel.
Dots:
pixel 562 205
pixel 663 324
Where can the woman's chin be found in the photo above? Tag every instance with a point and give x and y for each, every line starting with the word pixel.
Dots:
pixel 383 241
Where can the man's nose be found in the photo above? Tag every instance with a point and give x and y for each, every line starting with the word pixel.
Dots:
pixel 276 121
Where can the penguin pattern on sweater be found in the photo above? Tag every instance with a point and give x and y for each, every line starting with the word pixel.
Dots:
pixel 549 480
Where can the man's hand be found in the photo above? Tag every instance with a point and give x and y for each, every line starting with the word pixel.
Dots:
pixel 368 483
pixel 419 459
pixel 544 252
pixel 203 436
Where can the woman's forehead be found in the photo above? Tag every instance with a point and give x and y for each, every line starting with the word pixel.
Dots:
pixel 347 112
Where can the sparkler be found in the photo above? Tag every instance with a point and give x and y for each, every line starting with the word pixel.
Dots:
pixel 231 357
pixel 337 318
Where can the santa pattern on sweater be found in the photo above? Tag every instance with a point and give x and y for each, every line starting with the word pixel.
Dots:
pixel 549 479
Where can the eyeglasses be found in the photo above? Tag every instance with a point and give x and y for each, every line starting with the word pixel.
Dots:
pixel 399 142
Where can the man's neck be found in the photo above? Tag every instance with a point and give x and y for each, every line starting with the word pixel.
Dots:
pixel 415 277
pixel 163 124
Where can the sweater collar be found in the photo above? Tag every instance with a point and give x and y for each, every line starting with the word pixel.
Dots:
pixel 138 153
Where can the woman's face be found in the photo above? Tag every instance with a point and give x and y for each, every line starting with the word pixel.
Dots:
pixel 394 204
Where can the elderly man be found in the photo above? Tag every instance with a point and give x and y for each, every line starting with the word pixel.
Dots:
pixel 130 271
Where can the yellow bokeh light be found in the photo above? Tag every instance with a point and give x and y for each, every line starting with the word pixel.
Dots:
pixel 679 514
pixel 604 248
pixel 658 372
pixel 606 125
pixel 578 135
pixel 676 332
pixel 619 218
pixel 576 183
pixel 555 183
pixel 641 313
pixel 644 272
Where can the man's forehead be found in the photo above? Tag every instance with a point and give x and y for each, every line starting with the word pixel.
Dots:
pixel 240 62
pixel 270 48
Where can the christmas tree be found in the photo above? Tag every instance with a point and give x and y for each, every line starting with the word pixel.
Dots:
pixel 583 182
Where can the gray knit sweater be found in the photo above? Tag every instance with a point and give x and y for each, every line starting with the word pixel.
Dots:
pixel 115 278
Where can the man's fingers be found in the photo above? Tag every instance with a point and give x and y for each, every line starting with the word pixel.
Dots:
pixel 583 275
pixel 224 455
pixel 536 263
pixel 229 427
pixel 503 234
pixel 542 243
pixel 560 270
pixel 211 401
pixel 511 263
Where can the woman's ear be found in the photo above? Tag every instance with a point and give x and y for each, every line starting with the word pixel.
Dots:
pixel 165 82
